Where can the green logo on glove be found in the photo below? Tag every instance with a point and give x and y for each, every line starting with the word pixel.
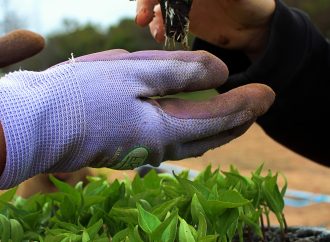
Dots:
pixel 135 158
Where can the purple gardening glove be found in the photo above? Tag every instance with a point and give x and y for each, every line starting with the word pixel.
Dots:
pixel 96 111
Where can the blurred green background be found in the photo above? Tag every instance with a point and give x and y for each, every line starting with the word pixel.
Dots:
pixel 85 39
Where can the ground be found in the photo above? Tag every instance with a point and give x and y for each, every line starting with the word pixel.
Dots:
pixel 254 147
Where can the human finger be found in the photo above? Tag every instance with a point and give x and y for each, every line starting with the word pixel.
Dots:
pixel 195 120
pixel 145 11
pixel 156 26
pixel 200 146
pixel 169 72
pixel 19 45
pixel 166 72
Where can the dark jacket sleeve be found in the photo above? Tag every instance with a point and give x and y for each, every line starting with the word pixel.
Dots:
pixel 296 64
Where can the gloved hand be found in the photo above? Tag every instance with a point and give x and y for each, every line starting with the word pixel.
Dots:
pixel 97 110
pixel 16 46
pixel 19 45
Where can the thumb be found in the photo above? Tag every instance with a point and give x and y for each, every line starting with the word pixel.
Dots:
pixel 197 120
pixel 197 126
pixel 19 45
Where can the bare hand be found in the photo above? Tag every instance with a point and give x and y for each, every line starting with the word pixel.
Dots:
pixel 225 23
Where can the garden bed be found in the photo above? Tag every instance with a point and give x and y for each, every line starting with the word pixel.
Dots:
pixel 215 206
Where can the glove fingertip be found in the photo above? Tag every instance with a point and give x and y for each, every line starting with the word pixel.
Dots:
pixel 19 45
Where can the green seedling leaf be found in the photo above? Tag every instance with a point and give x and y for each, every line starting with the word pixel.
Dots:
pixel 32 236
pixel 17 212
pixel 202 226
pixel 273 197
pixel 121 235
pixel 16 231
pixel 258 171
pixel 170 232
pixel 7 196
pixel 126 215
pixel 172 188
pixel 145 204
pixel 115 193
pixel 205 175
pixel 209 238
pixel 68 227
pixel 95 187
pixel 101 240
pixel 85 237
pixel 163 208
pixel 92 200
pixel 151 180
pixel 31 221
pixel 231 199
pixel 69 237
pixel 285 186
pixel 133 234
pixel 255 226
pixel 228 199
pixel 68 209
pixel 232 230
pixel 209 178
pixel 5 227
pixel 94 229
pixel 56 231
pixel 98 214
pixel 167 229
pixel 191 188
pixel 79 186
pixel 214 195
pixel 240 230
pixel 66 188
pixel 147 221
pixel 138 185
pixel 234 178
pixel 272 194
pixel 196 209
pixel 184 174
pixel 226 221
pixel 185 232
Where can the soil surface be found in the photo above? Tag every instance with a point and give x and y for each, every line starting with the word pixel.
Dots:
pixel 293 234
pixel 255 147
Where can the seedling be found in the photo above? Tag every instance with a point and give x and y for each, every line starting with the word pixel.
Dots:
pixel 176 19
pixel 215 206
